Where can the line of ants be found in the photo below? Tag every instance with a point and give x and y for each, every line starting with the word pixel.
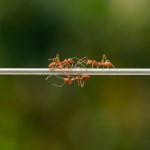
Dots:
pixel 81 62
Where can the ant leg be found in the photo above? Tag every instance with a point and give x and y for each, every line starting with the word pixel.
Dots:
pixel 78 58
pixel 81 83
pixel 113 66
pixel 59 85
pixel 78 80
pixel 111 63
pixel 48 77
pixel 55 76
pixel 104 57
pixel 84 59
pixel 59 77
pixel 68 65
pixel 75 58
pixel 79 62
pixel 52 69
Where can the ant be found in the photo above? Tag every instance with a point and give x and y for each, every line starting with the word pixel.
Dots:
pixel 105 62
pixel 68 80
pixel 69 62
pixel 66 63
pixel 55 62
pixel 92 62
pixel 81 79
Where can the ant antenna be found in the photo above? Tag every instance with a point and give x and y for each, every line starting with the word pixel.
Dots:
pixel 103 58
pixel 55 58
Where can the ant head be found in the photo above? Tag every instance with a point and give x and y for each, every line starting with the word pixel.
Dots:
pixel 85 77
pixel 89 62
pixel 52 65
pixel 65 60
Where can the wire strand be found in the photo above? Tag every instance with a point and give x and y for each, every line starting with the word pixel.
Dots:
pixel 75 71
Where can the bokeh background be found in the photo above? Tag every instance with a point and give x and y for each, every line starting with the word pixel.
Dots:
pixel 109 112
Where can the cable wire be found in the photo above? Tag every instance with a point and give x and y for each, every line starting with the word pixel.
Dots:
pixel 75 71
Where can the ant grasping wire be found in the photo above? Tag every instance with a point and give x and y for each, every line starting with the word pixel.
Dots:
pixel 81 79
pixel 70 79
pixel 55 59
pixel 67 80
pixel 90 62
pixel 105 62
pixel 55 62
pixel 68 63
pixel 64 64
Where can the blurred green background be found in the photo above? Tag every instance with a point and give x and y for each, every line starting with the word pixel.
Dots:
pixel 110 112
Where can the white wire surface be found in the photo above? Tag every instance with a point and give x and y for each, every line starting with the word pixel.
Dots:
pixel 75 71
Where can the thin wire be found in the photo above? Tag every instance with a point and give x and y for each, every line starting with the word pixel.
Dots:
pixel 75 71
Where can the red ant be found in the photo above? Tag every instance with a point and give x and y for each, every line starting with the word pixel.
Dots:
pixel 92 62
pixel 66 63
pixel 105 63
pixel 55 62
pixel 81 79
pixel 69 80
pixel 69 62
